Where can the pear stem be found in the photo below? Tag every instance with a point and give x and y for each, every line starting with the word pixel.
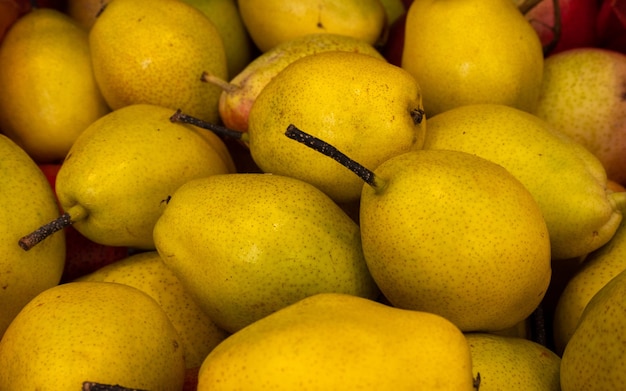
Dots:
pixel 29 241
pixel 179 116
pixel 221 83
pixel 325 148
pixel 93 386
pixel 619 200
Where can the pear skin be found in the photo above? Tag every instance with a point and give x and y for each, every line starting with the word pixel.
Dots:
pixel 338 341
pixel 26 202
pixel 510 363
pixel 366 107
pixel 594 356
pixel 147 272
pixel 472 51
pixel 131 66
pixel 597 270
pixel 275 21
pixel 258 243
pixel 583 96
pixel 440 237
pixel 240 93
pixel 118 175
pixel 49 94
pixel 568 182
pixel 91 332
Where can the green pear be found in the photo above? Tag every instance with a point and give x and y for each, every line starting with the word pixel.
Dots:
pixel 472 51
pixel 509 363
pixel 566 180
pixel 596 271
pixel 240 93
pixel 49 94
pixel 450 233
pixel 338 342
pixel 26 202
pixel 582 95
pixel 91 332
pixel 119 173
pixel 274 21
pixel 594 356
pixel 131 65
pixel 147 272
pixel 246 245
pixel 227 20
pixel 365 106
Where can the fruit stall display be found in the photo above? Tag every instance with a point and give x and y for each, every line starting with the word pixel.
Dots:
pixel 323 195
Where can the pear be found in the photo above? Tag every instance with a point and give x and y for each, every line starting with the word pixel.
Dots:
pixel 240 93
pixel 472 51
pixel 131 66
pixel 227 20
pixel 509 363
pixel 568 182
pixel 26 202
pixel 594 357
pixel 394 9
pixel 337 341
pixel 274 21
pixel 582 95
pixel 368 108
pixel 119 173
pixel 147 272
pixel 91 332
pixel 246 245
pixel 450 233
pixel 85 12
pixel 596 271
pixel 49 94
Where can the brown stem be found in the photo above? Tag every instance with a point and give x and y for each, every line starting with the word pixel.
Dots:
pixel 94 386
pixel 179 116
pixel 325 148
pixel 29 241
pixel 221 83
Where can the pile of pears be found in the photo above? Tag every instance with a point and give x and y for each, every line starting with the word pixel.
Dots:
pixel 299 211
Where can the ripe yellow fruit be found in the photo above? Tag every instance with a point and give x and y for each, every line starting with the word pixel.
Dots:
pixel 132 66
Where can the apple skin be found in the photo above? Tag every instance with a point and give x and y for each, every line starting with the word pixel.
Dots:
pixel 578 23
pixel 611 25
pixel 83 256
pixel 10 11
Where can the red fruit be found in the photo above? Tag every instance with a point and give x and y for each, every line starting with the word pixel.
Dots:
pixel 83 256
pixel 578 23
pixel 611 25
pixel 392 51
pixel 10 11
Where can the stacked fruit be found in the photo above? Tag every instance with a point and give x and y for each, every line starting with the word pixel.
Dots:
pixel 370 194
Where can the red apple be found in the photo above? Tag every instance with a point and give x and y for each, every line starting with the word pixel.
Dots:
pixel 83 256
pixel 611 25
pixel 392 50
pixel 10 11
pixel 578 23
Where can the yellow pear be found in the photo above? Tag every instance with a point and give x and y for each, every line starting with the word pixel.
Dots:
pixel 119 173
pixel 510 363
pixel 339 342
pixel 597 270
pixel 147 272
pixel 567 181
pixel 227 20
pixel 91 332
pixel 246 245
pixel 450 233
pixel 155 52
pixel 26 202
pixel 240 93
pixel 582 95
pixel 49 94
pixel 593 359
pixel 472 51
pixel 368 108
pixel 274 21
pixel 394 9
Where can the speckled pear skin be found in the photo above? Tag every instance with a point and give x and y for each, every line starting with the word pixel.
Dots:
pixel 454 234
pixel 246 245
pixel 594 357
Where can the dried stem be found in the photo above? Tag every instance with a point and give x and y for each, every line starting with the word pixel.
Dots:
pixel 94 386
pixel 179 116
pixel 29 241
